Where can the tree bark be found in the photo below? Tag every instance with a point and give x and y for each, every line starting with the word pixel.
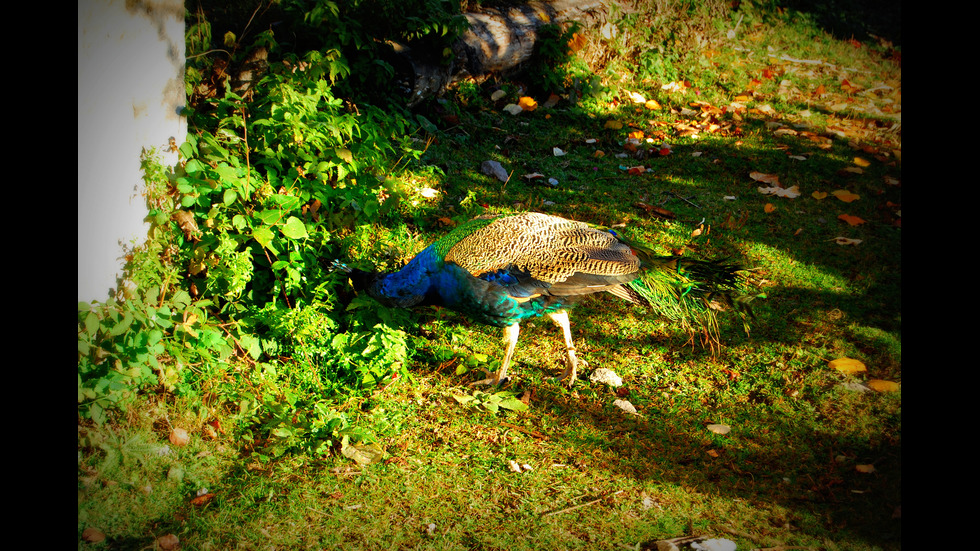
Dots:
pixel 495 42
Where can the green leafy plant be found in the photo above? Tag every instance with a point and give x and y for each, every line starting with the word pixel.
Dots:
pixel 491 401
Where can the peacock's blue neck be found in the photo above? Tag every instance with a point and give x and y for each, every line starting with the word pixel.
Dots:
pixel 408 287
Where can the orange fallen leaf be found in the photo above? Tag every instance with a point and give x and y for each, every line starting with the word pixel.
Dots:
pixel 577 42
pixel 847 365
pixel 527 103
pixel 769 207
pixel 636 170
pixel 864 468
pixel 202 499
pixel 861 162
pixel 635 135
pixel 883 386
pixel 851 220
pixel 819 195
pixel 850 87
pixel 652 105
pixel 845 195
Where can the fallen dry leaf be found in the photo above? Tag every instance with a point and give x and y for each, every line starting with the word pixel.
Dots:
pixel 765 178
pixel 851 219
pixel 845 195
pixel 527 103
pixel 819 195
pixel 769 208
pixel 202 499
pixel 789 193
pixel 636 98
pixel 847 365
pixel 864 468
pixel 883 386
pixel 179 437
pixel 846 241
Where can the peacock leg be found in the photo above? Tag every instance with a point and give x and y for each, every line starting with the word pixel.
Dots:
pixel 571 362
pixel 510 336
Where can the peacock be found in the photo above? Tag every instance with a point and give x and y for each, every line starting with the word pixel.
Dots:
pixel 501 270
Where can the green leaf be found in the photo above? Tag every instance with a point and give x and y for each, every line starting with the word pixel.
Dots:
pixel 345 154
pixel 264 236
pixel 122 326
pixel 426 124
pixel 269 217
pixel 294 228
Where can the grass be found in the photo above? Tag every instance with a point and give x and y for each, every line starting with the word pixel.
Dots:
pixel 791 470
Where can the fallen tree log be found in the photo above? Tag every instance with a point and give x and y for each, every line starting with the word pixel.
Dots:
pixel 495 42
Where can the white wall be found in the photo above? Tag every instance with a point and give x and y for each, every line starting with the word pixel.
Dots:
pixel 130 92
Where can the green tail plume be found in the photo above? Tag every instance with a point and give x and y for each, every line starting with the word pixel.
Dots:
pixel 691 292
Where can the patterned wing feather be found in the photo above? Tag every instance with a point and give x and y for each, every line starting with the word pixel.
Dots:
pixel 572 257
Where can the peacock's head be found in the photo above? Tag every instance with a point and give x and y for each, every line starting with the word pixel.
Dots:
pixel 362 280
